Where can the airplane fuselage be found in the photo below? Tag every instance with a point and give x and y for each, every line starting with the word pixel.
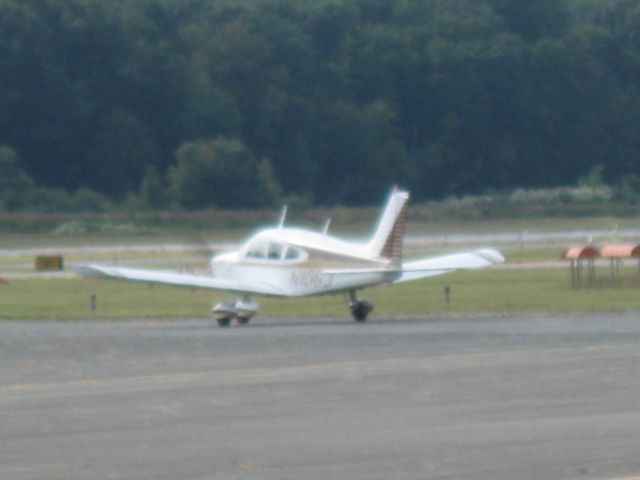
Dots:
pixel 267 262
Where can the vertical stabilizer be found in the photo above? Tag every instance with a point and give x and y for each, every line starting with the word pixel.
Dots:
pixel 388 237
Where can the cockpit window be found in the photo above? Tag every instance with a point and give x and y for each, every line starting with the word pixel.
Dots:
pixel 292 253
pixel 257 249
pixel 275 251
pixel 263 249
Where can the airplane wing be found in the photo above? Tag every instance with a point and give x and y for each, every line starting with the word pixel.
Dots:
pixel 430 267
pixel 174 279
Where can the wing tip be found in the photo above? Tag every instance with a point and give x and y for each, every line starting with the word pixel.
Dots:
pixel 491 255
pixel 85 270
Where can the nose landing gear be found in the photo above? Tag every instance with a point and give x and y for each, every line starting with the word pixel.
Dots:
pixel 224 313
pixel 242 310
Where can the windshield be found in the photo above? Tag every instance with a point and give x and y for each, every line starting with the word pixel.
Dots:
pixel 264 249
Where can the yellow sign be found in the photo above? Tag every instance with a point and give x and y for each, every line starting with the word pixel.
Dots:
pixel 50 262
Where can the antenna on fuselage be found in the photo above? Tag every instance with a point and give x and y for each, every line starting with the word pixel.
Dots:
pixel 283 216
pixel 327 223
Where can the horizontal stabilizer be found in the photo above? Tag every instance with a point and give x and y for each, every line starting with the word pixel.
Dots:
pixel 430 267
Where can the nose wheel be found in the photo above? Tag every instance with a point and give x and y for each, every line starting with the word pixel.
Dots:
pixel 360 309
pixel 224 322
pixel 242 310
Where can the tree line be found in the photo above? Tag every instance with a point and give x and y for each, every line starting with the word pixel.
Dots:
pixel 241 103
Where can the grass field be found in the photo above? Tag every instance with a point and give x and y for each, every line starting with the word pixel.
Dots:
pixel 495 291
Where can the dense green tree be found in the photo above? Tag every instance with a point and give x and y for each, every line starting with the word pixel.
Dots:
pixel 337 98
pixel 364 157
pixel 221 172
pixel 534 19
pixel 15 184
pixel 121 148
pixel 153 190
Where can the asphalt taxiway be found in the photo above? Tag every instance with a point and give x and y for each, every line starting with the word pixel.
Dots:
pixel 525 396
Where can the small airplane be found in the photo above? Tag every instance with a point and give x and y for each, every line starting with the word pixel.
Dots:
pixel 294 262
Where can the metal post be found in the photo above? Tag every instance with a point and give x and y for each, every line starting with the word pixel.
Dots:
pixel 579 274
pixel 447 295
pixel 612 273
pixel 573 273
pixel 619 272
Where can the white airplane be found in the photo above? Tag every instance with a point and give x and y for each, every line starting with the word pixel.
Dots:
pixel 292 262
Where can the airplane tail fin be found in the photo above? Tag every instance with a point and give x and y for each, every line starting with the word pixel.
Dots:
pixel 389 235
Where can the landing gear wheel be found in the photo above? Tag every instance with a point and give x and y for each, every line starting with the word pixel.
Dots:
pixel 360 310
pixel 243 320
pixel 224 322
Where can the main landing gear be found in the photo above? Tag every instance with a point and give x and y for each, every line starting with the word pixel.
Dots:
pixel 360 309
pixel 242 310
